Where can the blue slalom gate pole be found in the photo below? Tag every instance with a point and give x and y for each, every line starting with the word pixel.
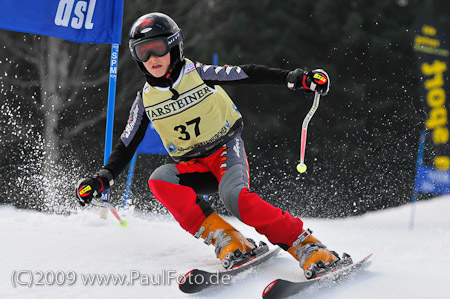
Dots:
pixel 418 166
pixel 129 181
pixel 110 114
pixel 111 100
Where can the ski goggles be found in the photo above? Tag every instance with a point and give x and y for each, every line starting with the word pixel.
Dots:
pixel 158 46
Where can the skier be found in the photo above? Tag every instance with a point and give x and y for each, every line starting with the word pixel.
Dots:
pixel 201 129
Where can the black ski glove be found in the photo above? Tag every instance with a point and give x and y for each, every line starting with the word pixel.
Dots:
pixel 88 188
pixel 315 80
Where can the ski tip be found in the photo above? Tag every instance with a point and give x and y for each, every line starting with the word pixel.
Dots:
pixel 185 278
pixel 368 256
pixel 188 283
pixel 268 288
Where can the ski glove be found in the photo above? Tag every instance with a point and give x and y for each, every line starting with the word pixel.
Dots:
pixel 88 188
pixel 315 80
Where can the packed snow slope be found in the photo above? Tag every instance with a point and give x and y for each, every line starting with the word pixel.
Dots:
pixel 67 250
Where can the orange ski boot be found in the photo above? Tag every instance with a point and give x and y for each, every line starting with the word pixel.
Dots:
pixel 312 255
pixel 229 243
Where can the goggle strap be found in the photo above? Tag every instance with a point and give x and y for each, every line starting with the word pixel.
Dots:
pixel 175 39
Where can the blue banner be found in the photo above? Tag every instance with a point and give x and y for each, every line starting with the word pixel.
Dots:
pixel 432 181
pixel 89 21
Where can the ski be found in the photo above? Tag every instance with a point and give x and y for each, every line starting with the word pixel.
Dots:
pixel 197 280
pixel 281 288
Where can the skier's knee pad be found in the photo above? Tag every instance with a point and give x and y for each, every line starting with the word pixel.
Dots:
pixel 231 185
pixel 167 173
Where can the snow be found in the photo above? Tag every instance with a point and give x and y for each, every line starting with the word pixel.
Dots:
pixel 406 263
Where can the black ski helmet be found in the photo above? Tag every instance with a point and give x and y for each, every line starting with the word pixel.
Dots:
pixel 155 25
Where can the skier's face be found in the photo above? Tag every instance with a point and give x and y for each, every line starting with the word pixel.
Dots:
pixel 158 66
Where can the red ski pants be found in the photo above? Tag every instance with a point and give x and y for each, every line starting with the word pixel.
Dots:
pixel 177 187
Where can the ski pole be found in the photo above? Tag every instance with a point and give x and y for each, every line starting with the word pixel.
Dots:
pixel 301 167
pixel 109 206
